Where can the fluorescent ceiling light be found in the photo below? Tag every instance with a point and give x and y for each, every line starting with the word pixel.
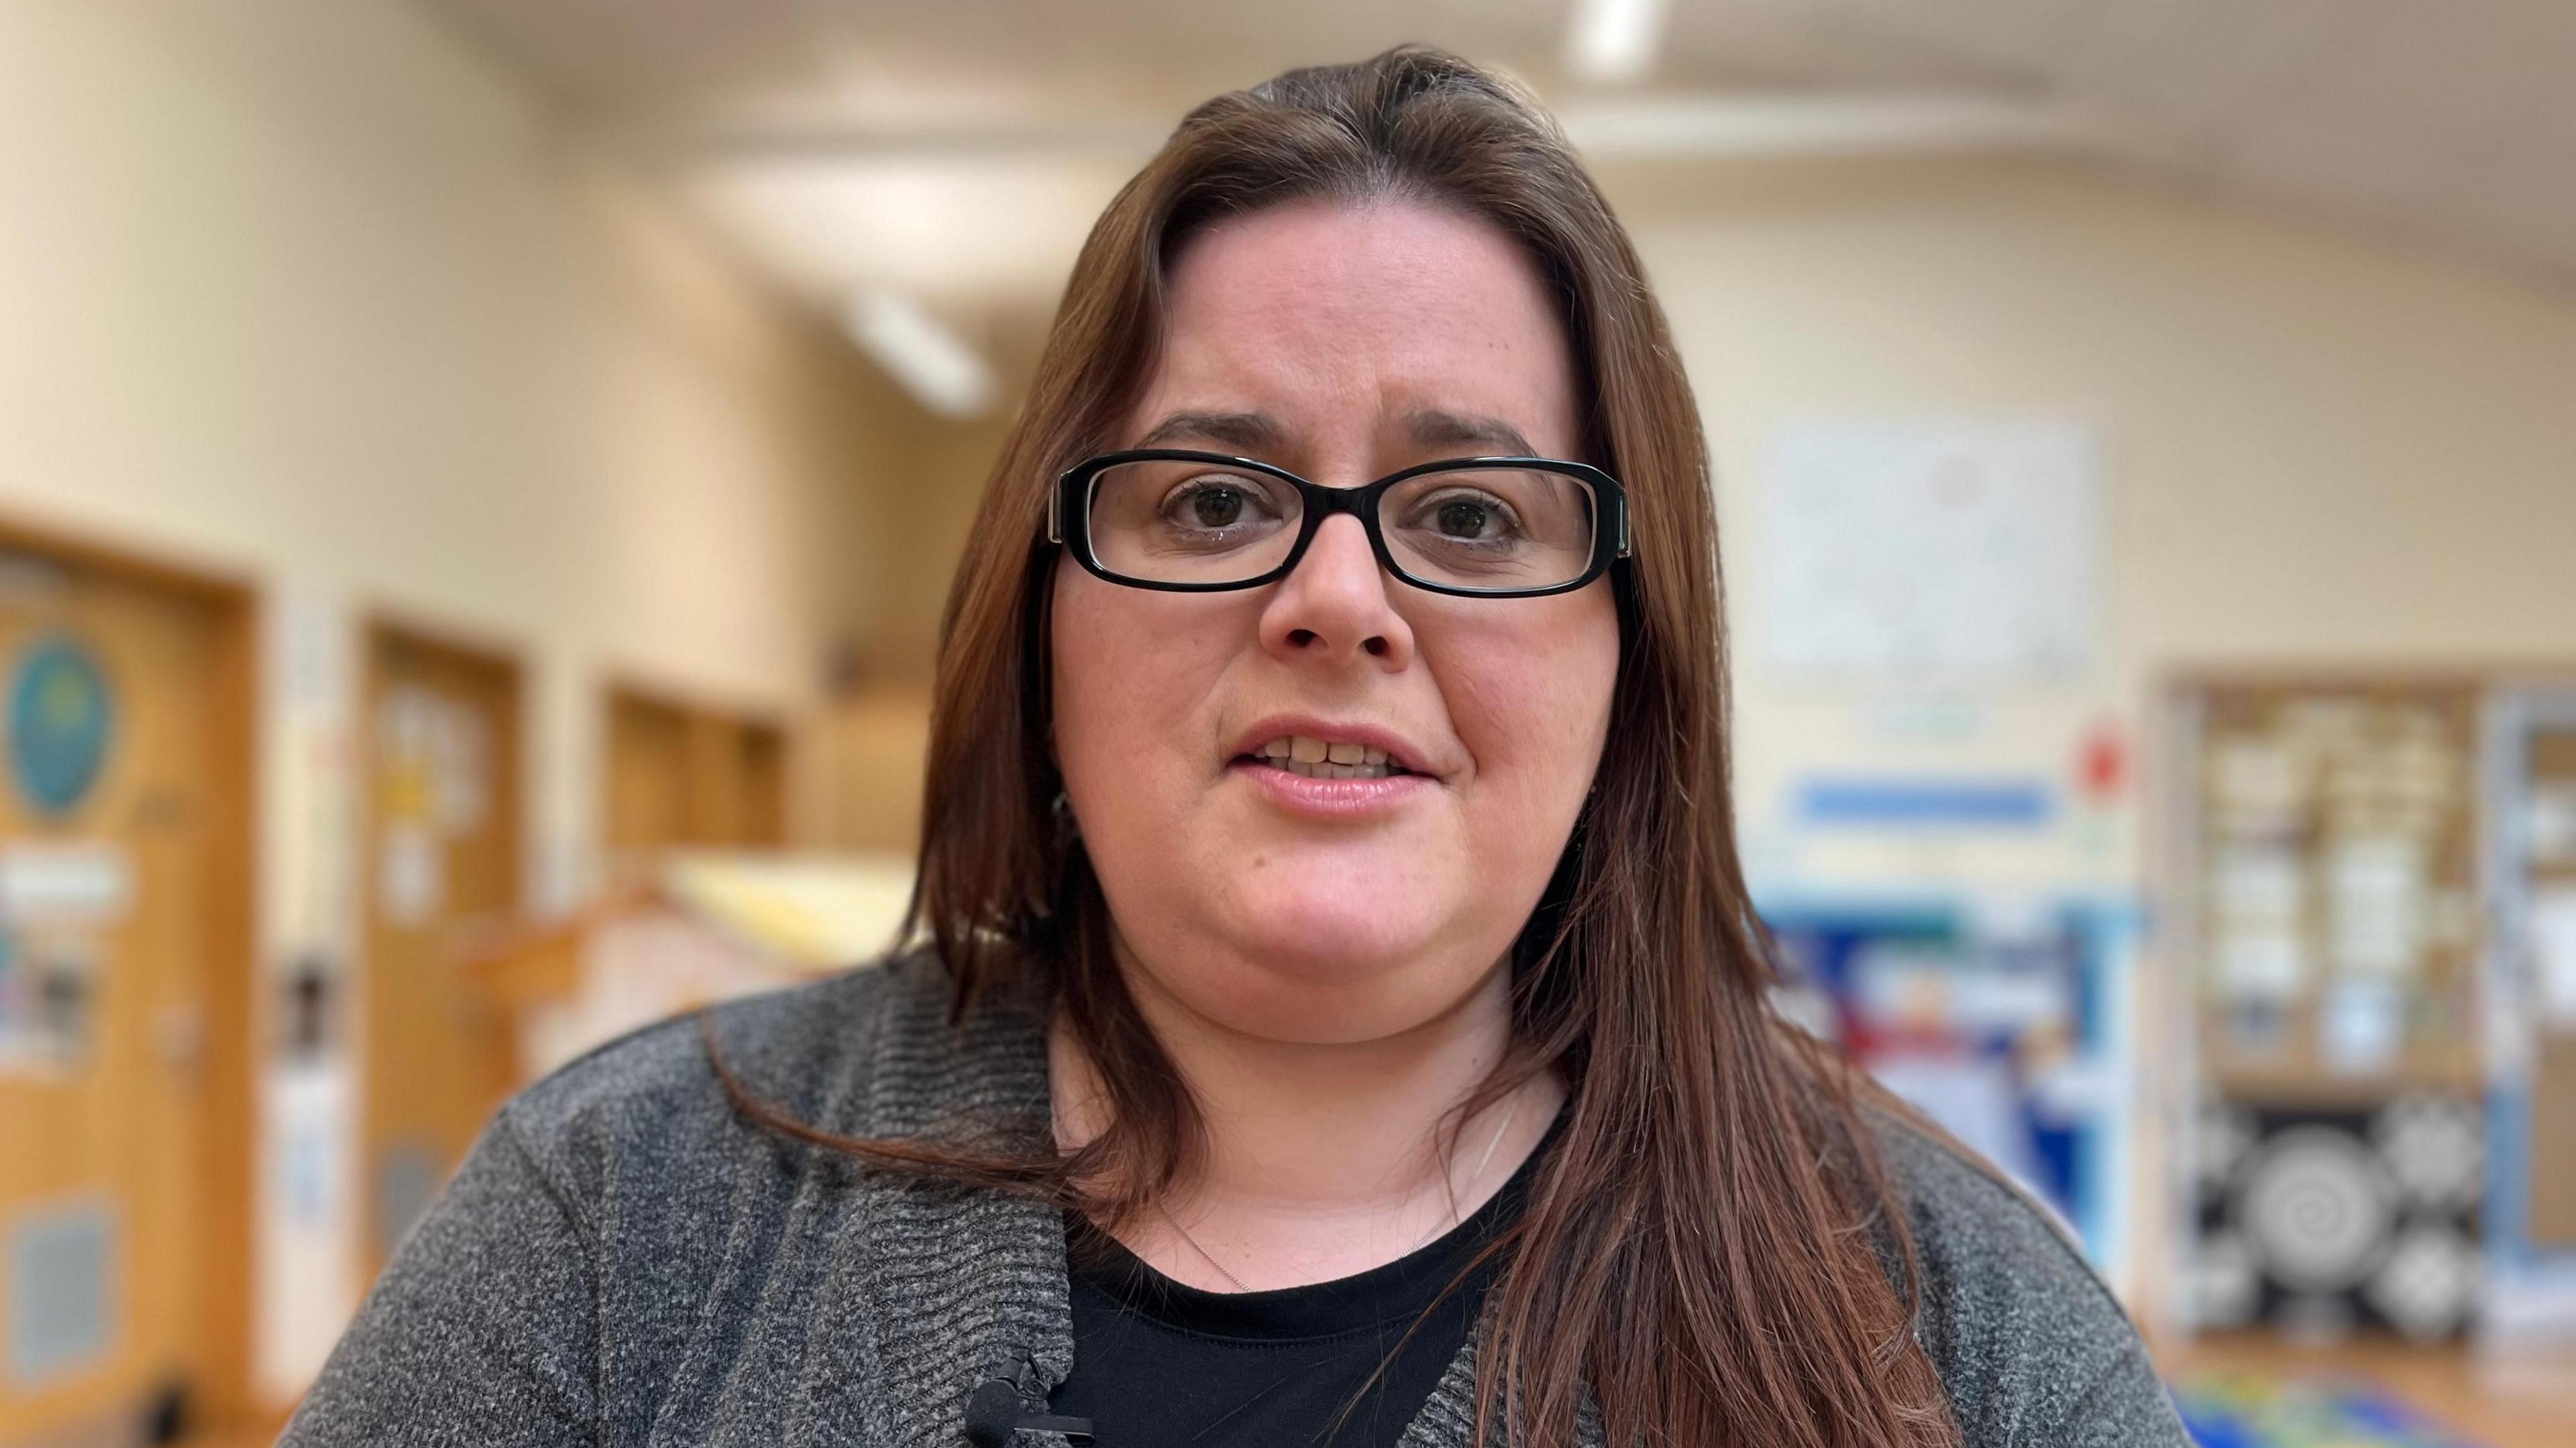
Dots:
pixel 1614 40
pixel 933 363
pixel 922 224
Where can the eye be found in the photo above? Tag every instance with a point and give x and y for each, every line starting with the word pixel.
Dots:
pixel 1462 518
pixel 1471 517
pixel 1210 503
pixel 1214 506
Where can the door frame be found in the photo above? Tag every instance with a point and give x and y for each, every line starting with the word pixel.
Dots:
pixel 227 1110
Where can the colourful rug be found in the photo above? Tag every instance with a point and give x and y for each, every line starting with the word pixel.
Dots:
pixel 2251 1411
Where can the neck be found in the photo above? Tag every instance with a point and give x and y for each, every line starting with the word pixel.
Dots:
pixel 1320 1159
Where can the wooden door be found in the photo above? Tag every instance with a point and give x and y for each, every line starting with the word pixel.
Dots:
pixel 124 996
pixel 687 777
pixel 443 865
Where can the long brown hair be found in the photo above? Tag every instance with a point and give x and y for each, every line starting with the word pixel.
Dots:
pixel 1712 1250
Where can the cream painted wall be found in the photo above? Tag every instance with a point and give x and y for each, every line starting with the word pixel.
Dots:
pixel 303 287
pixel 305 293
pixel 2316 449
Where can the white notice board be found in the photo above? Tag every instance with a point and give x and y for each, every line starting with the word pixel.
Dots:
pixel 1932 546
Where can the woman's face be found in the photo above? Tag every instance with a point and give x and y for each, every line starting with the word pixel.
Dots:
pixel 1342 343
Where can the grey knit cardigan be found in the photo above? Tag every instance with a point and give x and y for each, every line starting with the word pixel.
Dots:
pixel 624 1260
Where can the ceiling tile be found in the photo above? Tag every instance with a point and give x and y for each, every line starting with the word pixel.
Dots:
pixel 2027 36
pixel 1795 43
pixel 2379 120
pixel 2198 63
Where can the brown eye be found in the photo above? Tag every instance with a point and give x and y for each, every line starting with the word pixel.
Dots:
pixel 1463 518
pixel 1214 507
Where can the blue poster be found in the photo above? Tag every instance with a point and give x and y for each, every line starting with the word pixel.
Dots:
pixel 61 720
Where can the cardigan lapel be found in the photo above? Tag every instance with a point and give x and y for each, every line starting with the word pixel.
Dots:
pixel 1448 1416
pixel 961 1285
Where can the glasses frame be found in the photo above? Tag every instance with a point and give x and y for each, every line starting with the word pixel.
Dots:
pixel 1069 517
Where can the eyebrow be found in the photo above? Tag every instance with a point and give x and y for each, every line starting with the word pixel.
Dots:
pixel 1258 432
pixel 1432 428
pixel 1247 432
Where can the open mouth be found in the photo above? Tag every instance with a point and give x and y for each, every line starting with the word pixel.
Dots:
pixel 1314 758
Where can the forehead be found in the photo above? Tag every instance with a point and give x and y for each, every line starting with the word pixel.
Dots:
pixel 1341 320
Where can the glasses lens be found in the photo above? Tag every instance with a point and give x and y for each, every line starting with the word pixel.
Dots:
pixel 1191 522
pixel 1491 528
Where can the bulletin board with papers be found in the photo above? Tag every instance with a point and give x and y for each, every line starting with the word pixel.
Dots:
pixel 2331 862
pixel 2326 890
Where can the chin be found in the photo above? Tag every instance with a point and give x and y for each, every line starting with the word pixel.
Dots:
pixel 1319 943
pixel 1321 971
pixel 1330 946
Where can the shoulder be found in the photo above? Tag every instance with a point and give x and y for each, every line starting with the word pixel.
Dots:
pixel 2028 1340
pixel 579 1257
pixel 652 1099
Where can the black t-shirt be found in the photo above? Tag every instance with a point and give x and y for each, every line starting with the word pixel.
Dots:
pixel 1159 1364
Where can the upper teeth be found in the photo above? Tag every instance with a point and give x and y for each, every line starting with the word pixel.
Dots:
pixel 1327 758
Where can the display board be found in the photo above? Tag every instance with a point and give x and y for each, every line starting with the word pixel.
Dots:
pixel 2007 1023
pixel 2333 841
pixel 1932 546
pixel 2372 877
pixel 2324 1217
pixel 2330 924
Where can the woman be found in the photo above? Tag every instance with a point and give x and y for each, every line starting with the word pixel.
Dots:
pixel 1345 1022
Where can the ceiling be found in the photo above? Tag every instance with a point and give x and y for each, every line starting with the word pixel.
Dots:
pixel 958 149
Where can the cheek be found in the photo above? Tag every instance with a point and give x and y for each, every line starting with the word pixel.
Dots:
pixel 1132 678
pixel 1533 704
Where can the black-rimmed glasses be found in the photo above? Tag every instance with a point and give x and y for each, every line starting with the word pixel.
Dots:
pixel 1197 522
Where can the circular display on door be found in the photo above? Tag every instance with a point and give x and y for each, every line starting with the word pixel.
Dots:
pixel 61 722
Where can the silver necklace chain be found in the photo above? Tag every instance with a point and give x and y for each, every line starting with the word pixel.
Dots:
pixel 1473 1177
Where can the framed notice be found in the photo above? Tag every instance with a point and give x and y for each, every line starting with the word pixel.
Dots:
pixel 1943 547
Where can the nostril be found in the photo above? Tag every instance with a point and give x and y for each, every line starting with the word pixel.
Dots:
pixel 1376 647
pixel 1301 637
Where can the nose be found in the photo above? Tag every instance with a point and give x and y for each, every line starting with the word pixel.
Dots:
pixel 1335 604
